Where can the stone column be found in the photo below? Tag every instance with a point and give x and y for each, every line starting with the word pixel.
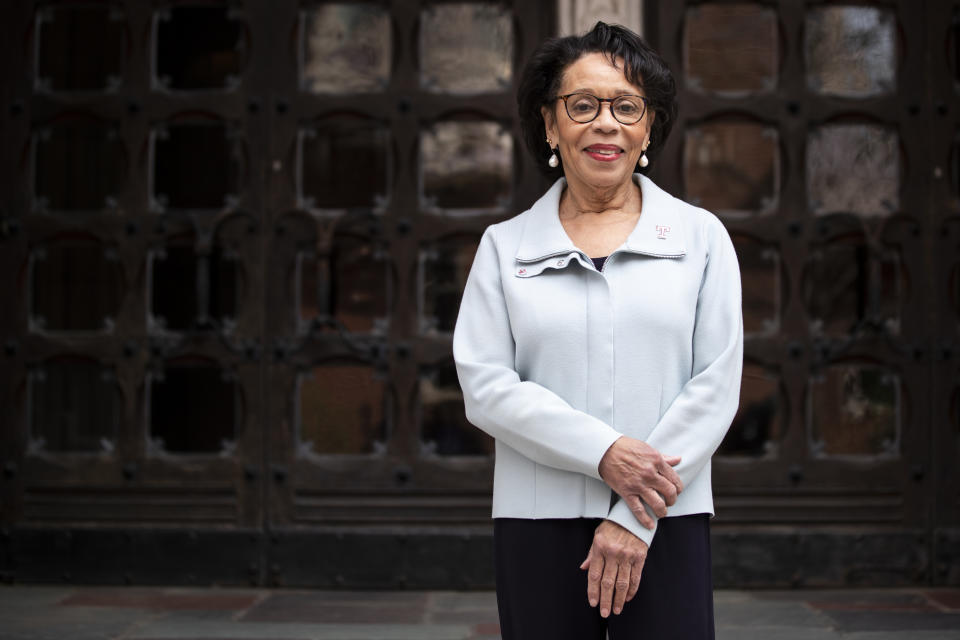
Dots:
pixel 577 16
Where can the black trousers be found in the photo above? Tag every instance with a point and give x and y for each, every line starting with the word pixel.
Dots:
pixel 542 592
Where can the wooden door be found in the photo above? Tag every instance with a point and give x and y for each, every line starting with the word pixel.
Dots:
pixel 824 136
pixel 233 238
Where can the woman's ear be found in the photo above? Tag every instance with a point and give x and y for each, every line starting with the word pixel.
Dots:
pixel 550 125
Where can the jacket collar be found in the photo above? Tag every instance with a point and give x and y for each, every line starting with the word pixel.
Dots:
pixel 658 233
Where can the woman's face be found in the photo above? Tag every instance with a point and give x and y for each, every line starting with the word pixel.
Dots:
pixel 602 153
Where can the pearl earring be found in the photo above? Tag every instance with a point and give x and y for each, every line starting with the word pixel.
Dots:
pixel 553 160
pixel 644 160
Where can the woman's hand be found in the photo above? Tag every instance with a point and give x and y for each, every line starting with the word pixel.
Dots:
pixel 614 565
pixel 638 472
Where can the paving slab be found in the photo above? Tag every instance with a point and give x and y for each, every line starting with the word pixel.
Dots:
pixel 775 633
pixel 750 613
pixel 163 613
pixel 899 635
pixel 894 621
pixel 309 607
pixel 479 609
pixel 14 599
pixel 163 600
pixel 72 624
pixel 947 599
pixel 181 630
pixel 464 600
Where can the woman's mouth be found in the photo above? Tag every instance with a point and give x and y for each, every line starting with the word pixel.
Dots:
pixel 604 152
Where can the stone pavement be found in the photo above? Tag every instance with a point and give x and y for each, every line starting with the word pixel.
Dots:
pixel 164 613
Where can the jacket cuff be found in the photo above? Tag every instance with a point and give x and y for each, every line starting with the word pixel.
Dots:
pixel 621 514
pixel 596 449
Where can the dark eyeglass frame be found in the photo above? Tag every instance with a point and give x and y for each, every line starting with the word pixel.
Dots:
pixel 600 102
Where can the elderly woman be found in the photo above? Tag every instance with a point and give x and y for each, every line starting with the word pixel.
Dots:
pixel 600 343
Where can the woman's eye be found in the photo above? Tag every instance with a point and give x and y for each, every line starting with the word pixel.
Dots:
pixel 627 108
pixel 583 106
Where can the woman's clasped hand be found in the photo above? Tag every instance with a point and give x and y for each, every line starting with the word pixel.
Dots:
pixel 639 474
pixel 614 564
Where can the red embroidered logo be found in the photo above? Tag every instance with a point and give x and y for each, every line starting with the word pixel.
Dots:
pixel 522 272
pixel 662 231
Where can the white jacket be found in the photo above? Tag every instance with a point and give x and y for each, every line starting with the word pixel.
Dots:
pixel 557 360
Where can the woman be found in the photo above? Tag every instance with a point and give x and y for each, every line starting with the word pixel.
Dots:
pixel 600 343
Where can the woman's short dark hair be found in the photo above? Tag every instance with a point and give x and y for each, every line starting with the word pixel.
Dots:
pixel 541 78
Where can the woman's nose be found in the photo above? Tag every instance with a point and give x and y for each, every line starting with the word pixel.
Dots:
pixel 605 120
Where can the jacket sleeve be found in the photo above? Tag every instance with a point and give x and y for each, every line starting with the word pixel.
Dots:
pixel 523 415
pixel 698 418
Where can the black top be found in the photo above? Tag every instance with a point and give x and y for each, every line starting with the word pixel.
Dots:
pixel 598 262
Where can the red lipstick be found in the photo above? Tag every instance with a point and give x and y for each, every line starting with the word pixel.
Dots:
pixel 604 152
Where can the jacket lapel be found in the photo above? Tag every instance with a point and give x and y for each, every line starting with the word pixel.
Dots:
pixel 659 231
pixel 545 244
pixel 543 235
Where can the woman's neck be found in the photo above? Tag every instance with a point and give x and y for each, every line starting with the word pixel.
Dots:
pixel 613 202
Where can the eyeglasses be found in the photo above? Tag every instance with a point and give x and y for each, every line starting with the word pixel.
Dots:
pixel 584 107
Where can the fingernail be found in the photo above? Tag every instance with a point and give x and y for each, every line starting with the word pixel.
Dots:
pixel 617 610
pixel 593 603
pixel 605 612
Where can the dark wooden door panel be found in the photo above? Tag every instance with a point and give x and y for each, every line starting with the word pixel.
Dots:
pixel 233 243
pixel 820 134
